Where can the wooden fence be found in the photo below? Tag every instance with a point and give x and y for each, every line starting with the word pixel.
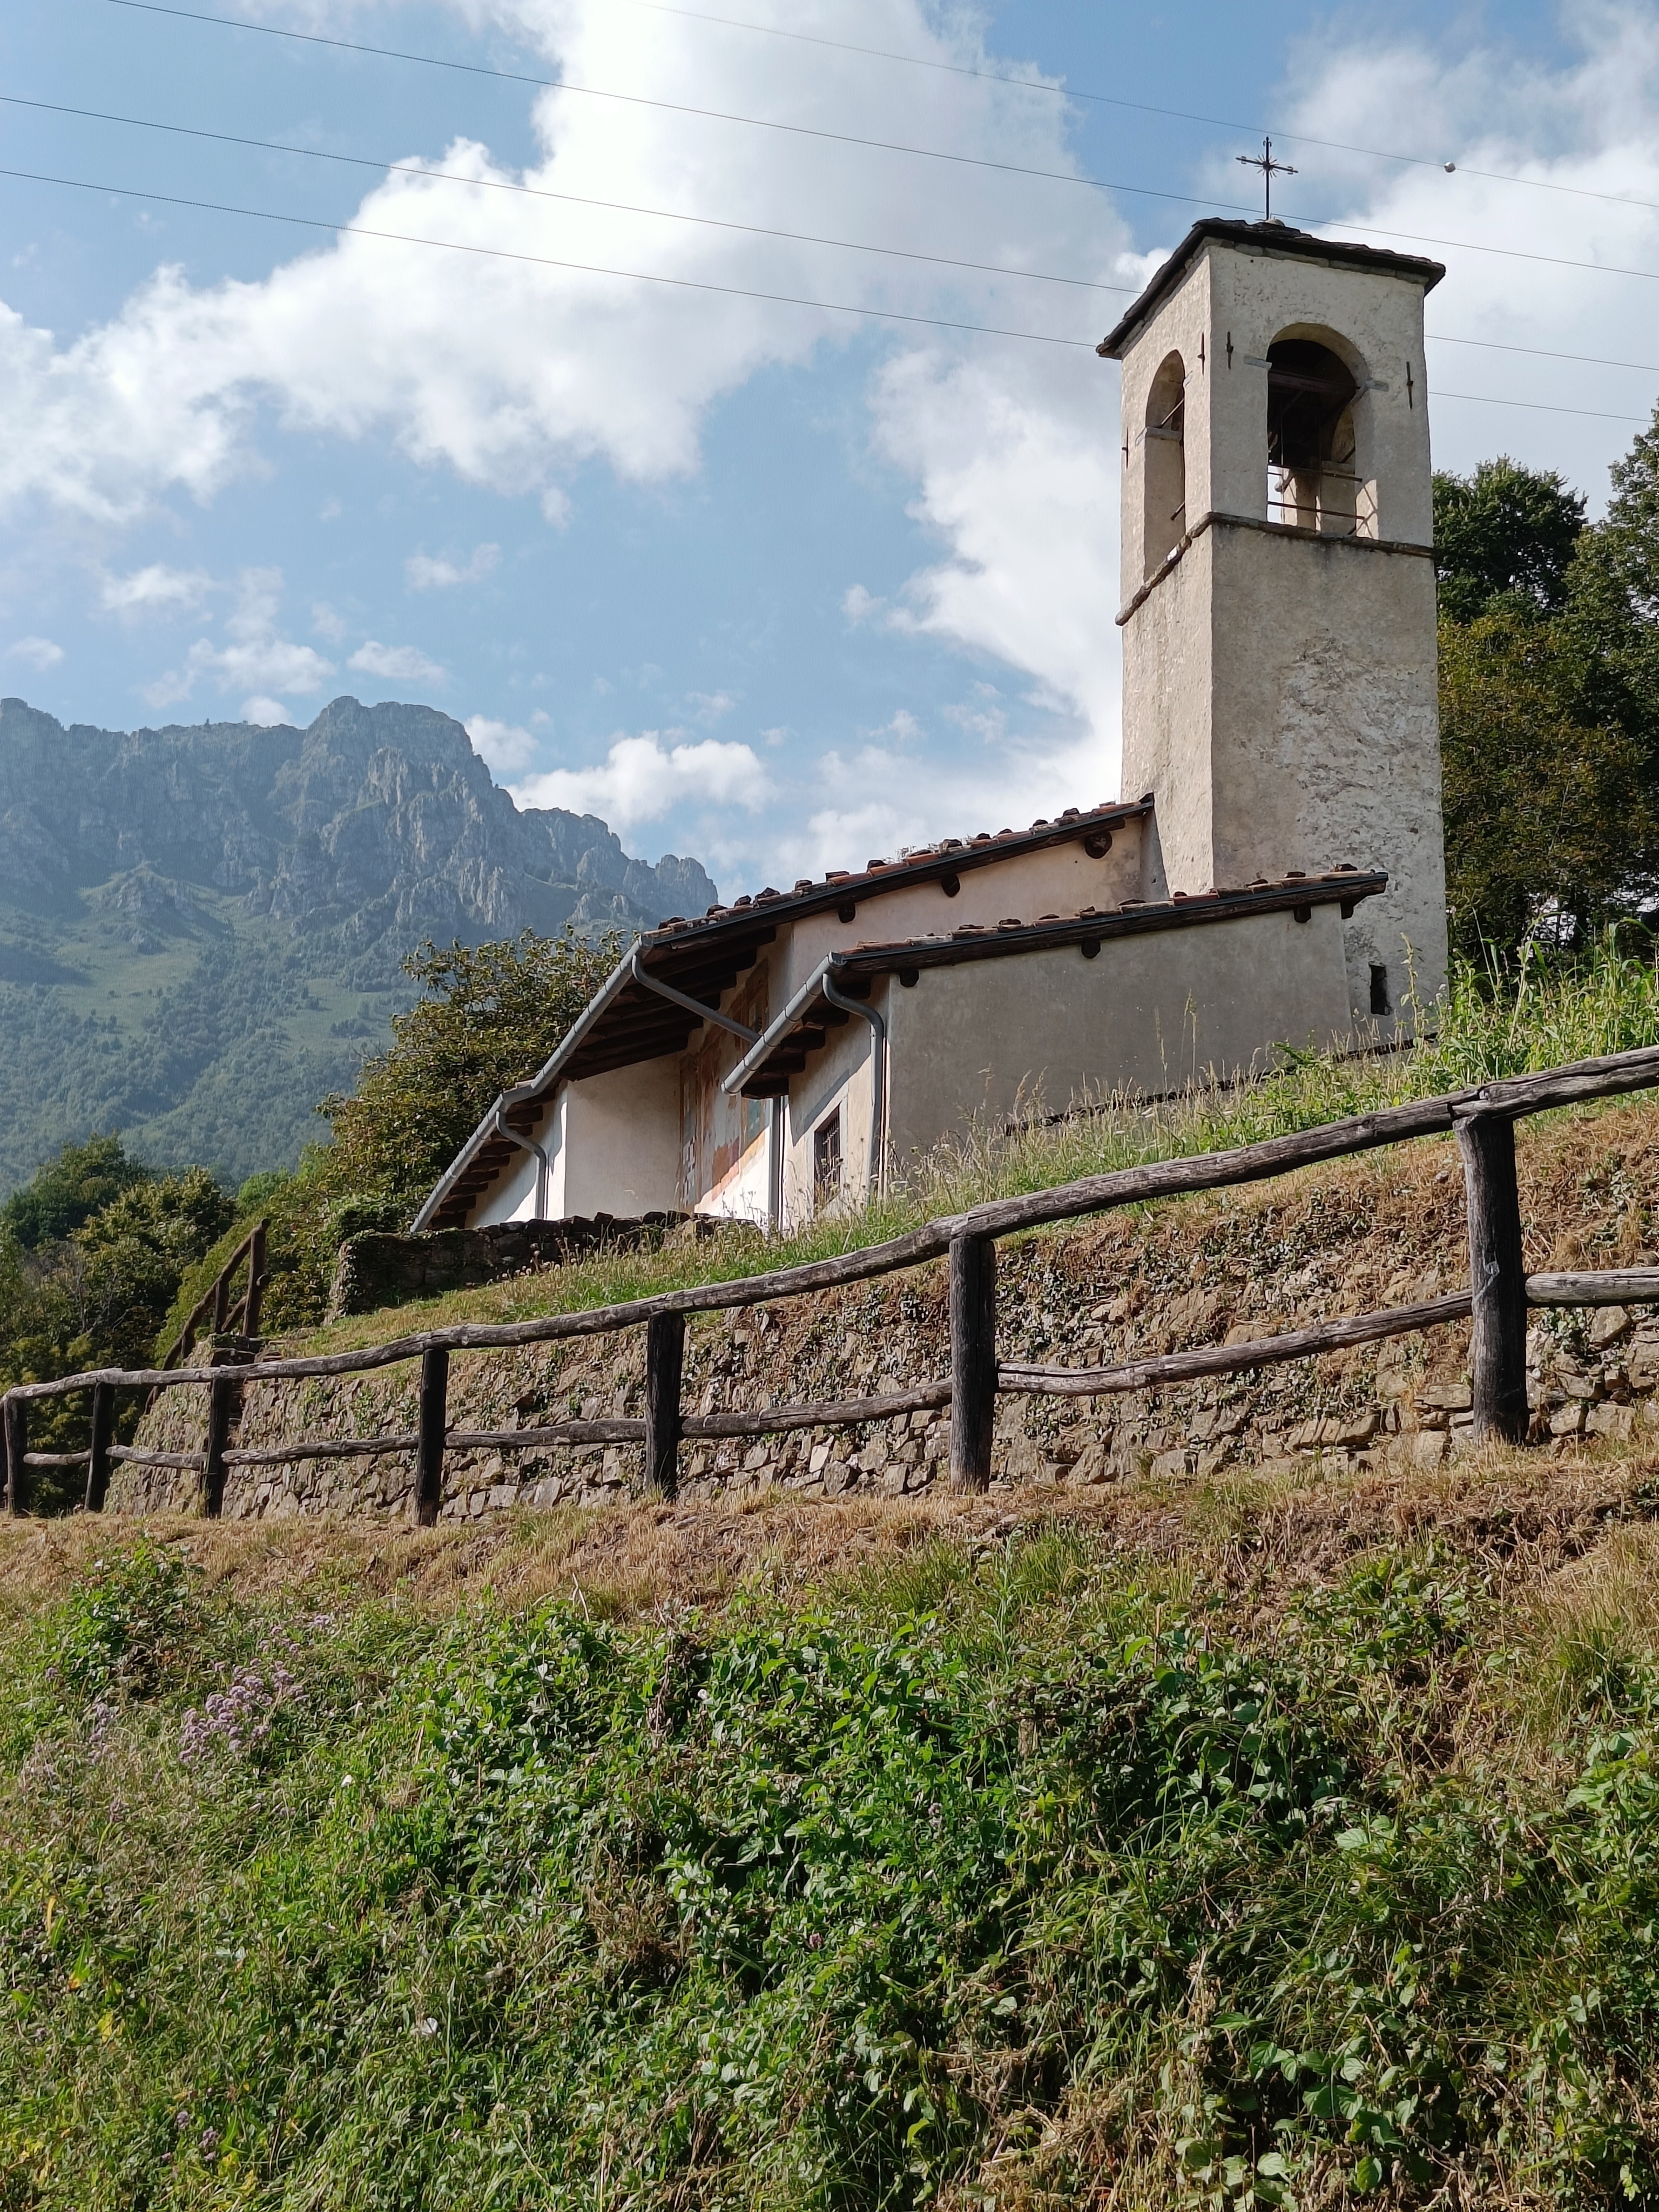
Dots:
pixel 1500 1294
pixel 243 1317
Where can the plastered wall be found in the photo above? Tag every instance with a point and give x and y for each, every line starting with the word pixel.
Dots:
pixel 1279 691
pixel 1149 1014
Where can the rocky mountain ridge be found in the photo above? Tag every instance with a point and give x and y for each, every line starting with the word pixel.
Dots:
pixel 380 823
pixel 202 928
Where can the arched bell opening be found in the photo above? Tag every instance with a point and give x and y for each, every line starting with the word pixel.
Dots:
pixel 1315 476
pixel 1164 476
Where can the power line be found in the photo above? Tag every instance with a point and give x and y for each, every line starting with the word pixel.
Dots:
pixel 541 192
pixel 674 215
pixel 1541 353
pixel 676 283
pixel 1538 406
pixel 681 107
pixel 950 69
pixel 874 145
pixel 545 260
pixel 1140 106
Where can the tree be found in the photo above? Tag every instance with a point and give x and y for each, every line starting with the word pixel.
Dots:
pixel 96 1299
pixel 1548 794
pixel 69 1190
pixel 1504 538
pixel 491 1015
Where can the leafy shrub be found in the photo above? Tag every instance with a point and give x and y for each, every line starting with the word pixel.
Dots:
pixel 133 1625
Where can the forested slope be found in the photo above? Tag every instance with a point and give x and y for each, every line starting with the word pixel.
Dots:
pixel 202 929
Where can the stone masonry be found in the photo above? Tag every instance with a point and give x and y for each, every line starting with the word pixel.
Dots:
pixel 1385 1230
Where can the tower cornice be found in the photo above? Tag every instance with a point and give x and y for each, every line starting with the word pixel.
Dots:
pixel 1278 241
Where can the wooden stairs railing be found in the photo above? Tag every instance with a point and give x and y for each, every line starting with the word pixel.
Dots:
pixel 224 1319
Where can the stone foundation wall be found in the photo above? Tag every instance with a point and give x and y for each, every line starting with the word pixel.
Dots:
pixel 1383 1232
pixel 378 1268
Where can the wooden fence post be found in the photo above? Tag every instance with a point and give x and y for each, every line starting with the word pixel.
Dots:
pixel 1498 1278
pixel 256 1280
pixel 222 1412
pixel 972 1360
pixel 435 1419
pixel 103 1430
pixel 17 1443
pixel 665 1365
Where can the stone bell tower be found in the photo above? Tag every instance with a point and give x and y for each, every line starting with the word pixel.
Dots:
pixel 1278 598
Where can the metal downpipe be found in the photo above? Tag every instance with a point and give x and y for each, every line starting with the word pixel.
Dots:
pixel 544 1171
pixel 877 1079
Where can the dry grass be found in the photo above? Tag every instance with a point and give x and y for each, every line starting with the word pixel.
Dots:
pixel 1573 1526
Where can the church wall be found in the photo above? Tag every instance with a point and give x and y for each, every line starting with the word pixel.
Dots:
pixel 513 1196
pixel 613 1147
pixel 1064 880
pixel 835 1079
pixel 1327 736
pixel 1168 677
pixel 1042 1031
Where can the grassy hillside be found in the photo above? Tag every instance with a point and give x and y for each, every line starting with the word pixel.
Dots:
pixel 1220 1847
pixel 206 1035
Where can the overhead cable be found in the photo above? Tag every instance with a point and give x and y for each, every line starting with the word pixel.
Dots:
pixel 543 192
pixel 676 283
pixel 951 68
pixel 875 145
pixel 545 260
pixel 715 222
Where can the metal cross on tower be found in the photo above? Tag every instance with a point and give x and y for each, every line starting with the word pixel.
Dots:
pixel 1264 160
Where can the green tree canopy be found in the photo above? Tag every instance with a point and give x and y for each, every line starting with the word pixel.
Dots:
pixel 1549 801
pixel 70 1190
pixel 491 1014
pixel 1549 701
pixel 1503 535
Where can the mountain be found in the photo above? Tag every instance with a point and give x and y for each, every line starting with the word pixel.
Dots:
pixel 202 929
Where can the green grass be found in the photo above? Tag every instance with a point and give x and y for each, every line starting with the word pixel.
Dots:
pixel 1037 1878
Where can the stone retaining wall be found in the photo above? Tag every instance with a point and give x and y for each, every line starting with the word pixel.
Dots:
pixel 1383 1231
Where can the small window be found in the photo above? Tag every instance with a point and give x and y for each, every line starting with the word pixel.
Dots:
pixel 1381 1003
pixel 826 1158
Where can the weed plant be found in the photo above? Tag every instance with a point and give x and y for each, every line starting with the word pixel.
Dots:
pixel 1031 1879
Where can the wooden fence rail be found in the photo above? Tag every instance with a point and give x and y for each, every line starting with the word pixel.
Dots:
pixel 243 1315
pixel 1500 1294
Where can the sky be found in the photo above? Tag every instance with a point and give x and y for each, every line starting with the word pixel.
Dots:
pixel 788 582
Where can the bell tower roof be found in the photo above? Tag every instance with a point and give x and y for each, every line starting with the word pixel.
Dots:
pixel 1276 240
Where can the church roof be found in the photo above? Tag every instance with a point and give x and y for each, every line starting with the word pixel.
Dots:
pixel 802 1027
pixel 700 960
pixel 1275 238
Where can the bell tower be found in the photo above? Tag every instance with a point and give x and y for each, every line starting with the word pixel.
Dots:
pixel 1278 582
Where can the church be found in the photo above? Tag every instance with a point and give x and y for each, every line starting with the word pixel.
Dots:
pixel 1277 881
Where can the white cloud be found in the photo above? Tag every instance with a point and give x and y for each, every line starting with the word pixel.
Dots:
pixel 1591 126
pixel 505 747
pixel 36 653
pixel 156 589
pixel 860 606
pixel 425 573
pixel 256 657
pixel 326 622
pixel 396 663
pixel 708 707
pixel 642 780
pixel 512 373
pixel 265 712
